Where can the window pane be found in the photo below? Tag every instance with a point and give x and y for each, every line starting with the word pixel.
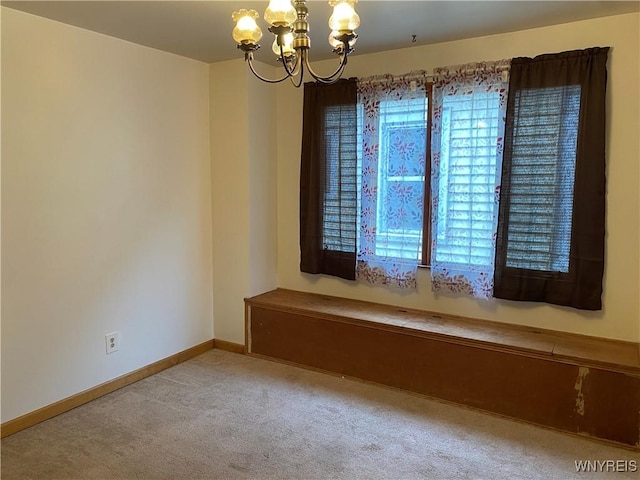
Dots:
pixel 468 152
pixel 340 196
pixel 542 178
pixel 400 196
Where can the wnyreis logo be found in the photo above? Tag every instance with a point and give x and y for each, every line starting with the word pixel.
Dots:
pixel 606 466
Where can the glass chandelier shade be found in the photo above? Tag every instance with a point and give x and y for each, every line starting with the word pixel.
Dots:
pixel 287 46
pixel 246 30
pixel 280 12
pixel 344 17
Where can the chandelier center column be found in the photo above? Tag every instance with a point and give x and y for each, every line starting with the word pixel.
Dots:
pixel 301 38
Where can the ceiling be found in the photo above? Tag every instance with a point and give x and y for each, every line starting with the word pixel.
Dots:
pixel 202 29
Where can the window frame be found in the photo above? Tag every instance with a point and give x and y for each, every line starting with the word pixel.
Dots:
pixel 426 217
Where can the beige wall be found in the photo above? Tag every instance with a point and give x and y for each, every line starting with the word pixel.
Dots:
pixel 262 135
pixel 243 163
pixel 230 196
pixel 620 318
pixel 106 208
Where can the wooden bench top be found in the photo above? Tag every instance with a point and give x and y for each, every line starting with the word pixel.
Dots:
pixel 560 346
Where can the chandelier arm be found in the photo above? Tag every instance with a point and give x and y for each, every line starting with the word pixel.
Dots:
pixel 300 77
pixel 290 72
pixel 331 78
pixel 297 67
pixel 249 58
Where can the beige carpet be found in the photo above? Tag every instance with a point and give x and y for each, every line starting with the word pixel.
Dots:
pixel 226 416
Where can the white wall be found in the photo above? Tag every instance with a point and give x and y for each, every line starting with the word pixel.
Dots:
pixel 620 318
pixel 106 208
pixel 243 160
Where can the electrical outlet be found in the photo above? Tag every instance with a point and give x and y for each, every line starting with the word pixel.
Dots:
pixel 112 342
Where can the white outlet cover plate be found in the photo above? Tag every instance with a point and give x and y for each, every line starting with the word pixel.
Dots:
pixel 112 342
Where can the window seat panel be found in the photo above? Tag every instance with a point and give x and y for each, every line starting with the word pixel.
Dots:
pixel 577 384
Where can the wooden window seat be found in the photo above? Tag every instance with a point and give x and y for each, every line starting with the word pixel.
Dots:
pixel 577 384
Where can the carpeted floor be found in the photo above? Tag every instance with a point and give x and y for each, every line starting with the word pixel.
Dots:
pixel 225 416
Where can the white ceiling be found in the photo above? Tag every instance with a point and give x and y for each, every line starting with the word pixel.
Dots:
pixel 202 29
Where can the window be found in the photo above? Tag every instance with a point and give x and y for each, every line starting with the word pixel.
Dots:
pixel 550 240
pixel 498 187
pixel 339 205
pixel 393 177
pixel 402 154
pixel 468 132
pixel 393 126
pixel 328 180
pixel 542 178
pixel 468 163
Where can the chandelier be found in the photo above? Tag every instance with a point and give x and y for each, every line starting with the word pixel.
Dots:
pixel 291 45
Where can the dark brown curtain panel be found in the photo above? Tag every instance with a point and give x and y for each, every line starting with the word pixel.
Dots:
pixel 551 226
pixel 328 179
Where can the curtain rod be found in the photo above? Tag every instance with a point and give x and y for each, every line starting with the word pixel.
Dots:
pixel 414 75
pixel 499 65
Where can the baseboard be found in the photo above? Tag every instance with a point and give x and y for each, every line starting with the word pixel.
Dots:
pixel 230 346
pixel 69 403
